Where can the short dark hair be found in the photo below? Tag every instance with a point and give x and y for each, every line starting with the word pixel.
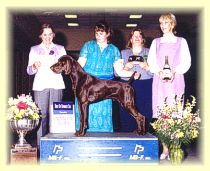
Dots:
pixel 103 26
pixel 46 25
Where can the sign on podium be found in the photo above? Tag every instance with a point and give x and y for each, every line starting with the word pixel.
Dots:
pixel 62 117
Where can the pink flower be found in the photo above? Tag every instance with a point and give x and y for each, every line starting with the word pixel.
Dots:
pixel 165 126
pixel 22 105
pixel 189 119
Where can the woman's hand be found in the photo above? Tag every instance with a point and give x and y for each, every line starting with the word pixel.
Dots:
pixel 36 65
pixel 161 77
pixel 164 81
pixel 128 66
pixel 144 65
pixel 172 76
pixel 160 74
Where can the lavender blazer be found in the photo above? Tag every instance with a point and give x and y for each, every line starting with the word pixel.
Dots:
pixel 44 76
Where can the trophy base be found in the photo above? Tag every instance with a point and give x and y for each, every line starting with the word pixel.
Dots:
pixel 23 156
pixel 22 146
pixel 22 143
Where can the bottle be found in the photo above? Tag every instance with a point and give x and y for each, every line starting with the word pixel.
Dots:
pixel 166 70
pixel 145 58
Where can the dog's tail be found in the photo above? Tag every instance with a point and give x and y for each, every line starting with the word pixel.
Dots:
pixel 132 78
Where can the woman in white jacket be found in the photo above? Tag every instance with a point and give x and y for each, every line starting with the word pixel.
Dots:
pixel 47 86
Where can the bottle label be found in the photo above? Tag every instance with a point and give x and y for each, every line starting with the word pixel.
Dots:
pixel 167 74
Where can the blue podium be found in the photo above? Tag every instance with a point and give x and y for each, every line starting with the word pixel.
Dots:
pixel 99 147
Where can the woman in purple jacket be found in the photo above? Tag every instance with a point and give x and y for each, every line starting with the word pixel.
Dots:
pixel 179 59
pixel 47 85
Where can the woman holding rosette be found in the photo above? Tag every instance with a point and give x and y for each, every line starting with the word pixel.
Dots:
pixel 47 86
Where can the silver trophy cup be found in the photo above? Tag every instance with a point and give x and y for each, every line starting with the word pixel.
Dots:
pixel 22 126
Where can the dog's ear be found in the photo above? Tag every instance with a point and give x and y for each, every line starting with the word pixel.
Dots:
pixel 67 67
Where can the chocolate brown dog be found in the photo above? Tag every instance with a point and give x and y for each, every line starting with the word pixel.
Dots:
pixel 88 89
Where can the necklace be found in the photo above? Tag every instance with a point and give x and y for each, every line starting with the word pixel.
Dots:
pixel 102 43
pixel 102 47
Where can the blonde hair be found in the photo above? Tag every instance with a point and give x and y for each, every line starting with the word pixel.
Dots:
pixel 172 19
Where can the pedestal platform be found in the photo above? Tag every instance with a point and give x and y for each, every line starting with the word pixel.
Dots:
pixel 99 147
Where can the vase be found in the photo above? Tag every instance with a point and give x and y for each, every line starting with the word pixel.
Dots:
pixel 176 154
pixel 22 127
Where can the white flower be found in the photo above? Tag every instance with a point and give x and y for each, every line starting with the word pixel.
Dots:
pixel 185 113
pixel 175 122
pixel 197 119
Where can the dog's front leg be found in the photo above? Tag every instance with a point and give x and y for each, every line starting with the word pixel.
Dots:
pixel 83 120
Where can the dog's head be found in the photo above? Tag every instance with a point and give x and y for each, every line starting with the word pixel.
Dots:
pixel 63 64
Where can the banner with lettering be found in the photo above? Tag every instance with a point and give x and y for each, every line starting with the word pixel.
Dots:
pixel 62 117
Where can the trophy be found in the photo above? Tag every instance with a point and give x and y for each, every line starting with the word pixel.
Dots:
pixel 22 127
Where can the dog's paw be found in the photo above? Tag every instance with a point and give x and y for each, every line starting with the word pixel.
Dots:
pixel 79 133
pixel 76 133
pixel 139 132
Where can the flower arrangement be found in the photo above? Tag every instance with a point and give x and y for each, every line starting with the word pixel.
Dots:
pixel 178 123
pixel 22 107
